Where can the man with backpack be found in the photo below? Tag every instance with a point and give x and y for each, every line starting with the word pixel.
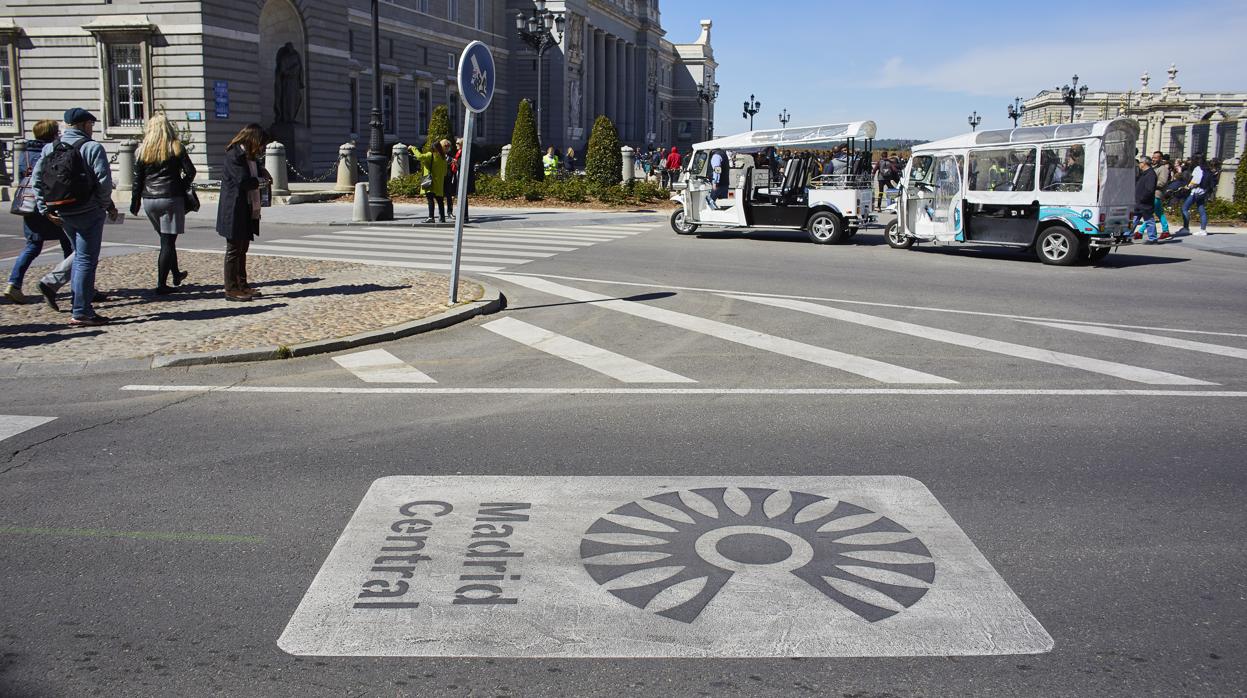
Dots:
pixel 73 187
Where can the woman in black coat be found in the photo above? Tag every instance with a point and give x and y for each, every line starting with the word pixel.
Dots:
pixel 238 212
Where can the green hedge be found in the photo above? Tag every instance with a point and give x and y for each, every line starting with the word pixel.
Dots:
pixel 524 160
pixel 603 159
pixel 574 190
pixel 408 186
pixel 1240 182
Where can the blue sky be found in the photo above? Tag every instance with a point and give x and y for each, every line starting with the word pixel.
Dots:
pixel 919 68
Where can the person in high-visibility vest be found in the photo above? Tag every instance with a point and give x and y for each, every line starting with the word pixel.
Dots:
pixel 550 162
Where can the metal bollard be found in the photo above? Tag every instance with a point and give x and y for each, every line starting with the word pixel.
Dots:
pixel 346 168
pixel 275 163
pixel 506 154
pixel 125 165
pixel 629 163
pixel 398 161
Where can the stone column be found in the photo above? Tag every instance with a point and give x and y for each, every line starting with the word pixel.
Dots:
pixel 617 87
pixel 275 163
pixel 629 163
pixel 346 168
pixel 506 154
pixel 608 85
pixel 125 165
pixel 599 73
pixel 629 111
pixel 398 161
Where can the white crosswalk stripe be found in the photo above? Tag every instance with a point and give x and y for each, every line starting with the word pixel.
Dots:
pixel 870 368
pixel 1111 368
pixel 1159 340
pixel 380 366
pixel 484 249
pixel 617 366
pixel 12 424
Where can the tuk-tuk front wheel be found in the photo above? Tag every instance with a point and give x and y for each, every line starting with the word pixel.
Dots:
pixel 896 240
pixel 679 225
pixel 825 227
pixel 1057 246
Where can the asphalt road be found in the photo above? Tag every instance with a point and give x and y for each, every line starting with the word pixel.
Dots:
pixel 158 542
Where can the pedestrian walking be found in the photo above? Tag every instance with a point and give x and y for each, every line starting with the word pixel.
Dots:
pixel 163 174
pixel 1145 200
pixel 460 170
pixel 433 185
pixel 238 211
pixel 450 185
pixel 36 227
pixel 674 163
pixel 1163 176
pixel 1197 188
pixel 74 185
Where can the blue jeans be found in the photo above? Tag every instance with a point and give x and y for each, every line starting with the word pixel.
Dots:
pixel 87 230
pixel 36 235
pixel 1158 209
pixel 1148 223
pixel 1193 200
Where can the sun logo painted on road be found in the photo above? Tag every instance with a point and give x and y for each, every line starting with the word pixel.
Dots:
pixel 674 552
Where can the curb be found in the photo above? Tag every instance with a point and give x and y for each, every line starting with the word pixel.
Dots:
pixel 491 301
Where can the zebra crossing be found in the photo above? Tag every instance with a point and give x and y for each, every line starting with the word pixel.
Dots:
pixel 484 249
pixel 608 358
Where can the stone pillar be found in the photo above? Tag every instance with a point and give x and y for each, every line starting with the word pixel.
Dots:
pixel 398 161
pixel 626 85
pixel 629 163
pixel 346 167
pixel 506 153
pixel 612 70
pixel 19 154
pixel 599 74
pixel 618 88
pixel 275 163
pixel 125 165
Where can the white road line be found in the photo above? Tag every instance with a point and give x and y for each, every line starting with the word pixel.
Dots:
pixel 617 366
pixel 313 248
pixel 520 238
pixel 822 299
pixel 603 232
pixel 380 366
pixel 444 242
pixel 1187 344
pixel 411 247
pixel 12 424
pixel 379 262
pixel 978 392
pixel 1110 368
pixel 877 370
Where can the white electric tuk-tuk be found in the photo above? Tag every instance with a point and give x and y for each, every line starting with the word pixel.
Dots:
pixel 759 193
pixel 1065 191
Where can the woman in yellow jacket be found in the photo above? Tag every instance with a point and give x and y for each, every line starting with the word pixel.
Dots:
pixel 433 184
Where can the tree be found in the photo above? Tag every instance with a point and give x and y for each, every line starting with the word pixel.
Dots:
pixel 439 128
pixel 1240 182
pixel 524 161
pixel 603 160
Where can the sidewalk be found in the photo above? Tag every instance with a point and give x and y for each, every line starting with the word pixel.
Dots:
pixel 1222 240
pixel 305 303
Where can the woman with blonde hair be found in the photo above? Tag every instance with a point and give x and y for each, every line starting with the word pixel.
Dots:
pixel 238 212
pixel 163 174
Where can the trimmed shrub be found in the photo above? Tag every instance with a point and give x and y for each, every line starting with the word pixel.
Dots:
pixel 603 161
pixel 524 162
pixel 1240 182
pixel 408 187
pixel 439 128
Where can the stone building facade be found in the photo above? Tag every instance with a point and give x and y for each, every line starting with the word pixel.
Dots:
pixel 1178 123
pixel 303 69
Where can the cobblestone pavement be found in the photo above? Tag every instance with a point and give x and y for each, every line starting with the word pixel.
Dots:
pixel 304 300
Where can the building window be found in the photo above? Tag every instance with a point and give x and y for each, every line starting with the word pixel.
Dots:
pixel 125 74
pixel 1177 142
pixel 1225 140
pixel 8 105
pixel 452 107
pixel 480 14
pixel 389 108
pixel 479 127
pixel 424 99
pixel 451 63
pixel 452 10
pixel 422 6
pixel 1199 139
pixel 354 97
pixel 350 41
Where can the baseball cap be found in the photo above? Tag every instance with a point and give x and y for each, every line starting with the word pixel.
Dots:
pixel 78 115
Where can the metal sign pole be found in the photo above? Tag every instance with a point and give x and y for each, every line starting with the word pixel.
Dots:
pixel 465 171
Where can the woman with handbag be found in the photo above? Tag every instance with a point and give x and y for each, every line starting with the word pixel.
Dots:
pixel 163 176
pixel 36 228
pixel 238 212
pixel 433 184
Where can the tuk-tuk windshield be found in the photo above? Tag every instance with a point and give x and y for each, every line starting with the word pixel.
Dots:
pixel 920 169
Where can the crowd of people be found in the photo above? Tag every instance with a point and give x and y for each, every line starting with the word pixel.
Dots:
pixel 65 195
pixel 1161 181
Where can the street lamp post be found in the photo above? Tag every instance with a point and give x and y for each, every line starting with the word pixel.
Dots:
pixel 784 118
pixel 380 207
pixel 974 120
pixel 1016 110
pixel 535 30
pixel 709 95
pixel 1072 96
pixel 752 106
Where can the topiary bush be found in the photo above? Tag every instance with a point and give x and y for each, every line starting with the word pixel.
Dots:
pixel 439 128
pixel 603 161
pixel 524 162
pixel 1240 182
pixel 405 187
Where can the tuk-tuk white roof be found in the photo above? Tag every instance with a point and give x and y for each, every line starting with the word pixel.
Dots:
pixel 794 137
pixel 1030 134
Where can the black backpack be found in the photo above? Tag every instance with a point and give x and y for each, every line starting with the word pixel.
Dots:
pixel 1209 181
pixel 66 179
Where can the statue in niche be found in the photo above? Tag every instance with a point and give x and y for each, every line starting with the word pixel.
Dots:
pixel 575 38
pixel 573 102
pixel 288 85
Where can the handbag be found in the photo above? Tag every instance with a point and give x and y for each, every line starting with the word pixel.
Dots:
pixel 427 182
pixel 191 199
pixel 24 198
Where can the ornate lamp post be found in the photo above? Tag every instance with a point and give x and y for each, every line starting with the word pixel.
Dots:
pixel 380 208
pixel 709 95
pixel 752 106
pixel 1016 110
pixel 974 120
pixel 784 118
pixel 1072 96
pixel 538 31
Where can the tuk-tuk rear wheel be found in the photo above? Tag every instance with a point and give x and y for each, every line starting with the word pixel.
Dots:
pixel 825 227
pixel 1058 246
pixel 895 240
pixel 678 224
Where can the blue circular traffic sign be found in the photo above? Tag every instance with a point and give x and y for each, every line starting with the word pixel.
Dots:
pixel 476 76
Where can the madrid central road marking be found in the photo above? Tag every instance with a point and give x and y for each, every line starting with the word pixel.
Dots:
pixel 380 366
pixel 617 366
pixel 12 424
pixel 876 370
pixel 1111 368
pixel 731 566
